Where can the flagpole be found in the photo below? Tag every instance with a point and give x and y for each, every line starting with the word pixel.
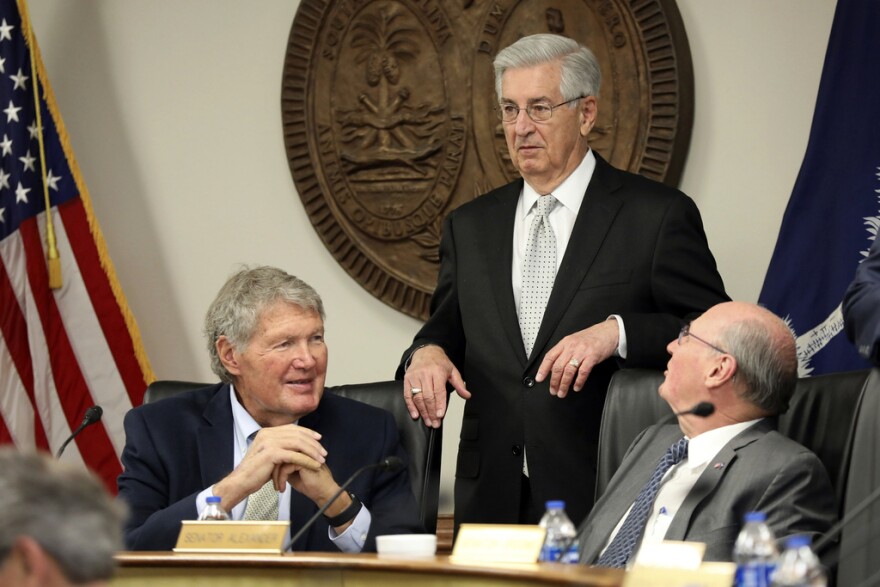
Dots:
pixel 54 261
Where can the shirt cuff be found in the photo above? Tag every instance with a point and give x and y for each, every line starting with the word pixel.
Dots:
pixel 409 358
pixel 621 337
pixel 354 537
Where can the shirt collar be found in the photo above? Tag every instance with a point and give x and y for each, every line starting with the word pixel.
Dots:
pixel 570 192
pixel 244 424
pixel 708 444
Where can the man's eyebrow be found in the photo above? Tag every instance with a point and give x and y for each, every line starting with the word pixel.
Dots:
pixel 529 101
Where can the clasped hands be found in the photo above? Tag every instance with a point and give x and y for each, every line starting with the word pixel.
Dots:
pixel 568 364
pixel 285 454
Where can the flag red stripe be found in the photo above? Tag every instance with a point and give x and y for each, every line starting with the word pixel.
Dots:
pixel 14 329
pixel 106 307
pixel 73 393
pixel 5 436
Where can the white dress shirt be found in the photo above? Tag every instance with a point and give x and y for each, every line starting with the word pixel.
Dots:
pixel 244 428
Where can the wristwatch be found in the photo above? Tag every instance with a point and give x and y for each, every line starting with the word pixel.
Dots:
pixel 348 514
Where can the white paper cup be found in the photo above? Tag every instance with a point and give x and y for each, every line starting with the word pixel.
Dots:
pixel 407 545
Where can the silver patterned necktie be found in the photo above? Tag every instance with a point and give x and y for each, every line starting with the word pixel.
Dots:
pixel 624 544
pixel 539 272
pixel 262 504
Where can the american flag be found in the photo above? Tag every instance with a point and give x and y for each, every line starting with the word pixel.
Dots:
pixel 61 350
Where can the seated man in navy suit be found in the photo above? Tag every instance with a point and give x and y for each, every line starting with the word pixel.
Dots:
pixel 740 358
pixel 266 440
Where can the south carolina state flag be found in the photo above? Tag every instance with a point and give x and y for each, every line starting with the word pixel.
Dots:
pixel 66 348
pixel 834 211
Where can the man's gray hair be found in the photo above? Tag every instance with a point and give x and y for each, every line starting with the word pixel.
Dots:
pixel 64 509
pixel 235 312
pixel 766 359
pixel 580 69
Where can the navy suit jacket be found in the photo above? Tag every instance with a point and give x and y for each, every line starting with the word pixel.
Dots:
pixel 761 470
pixel 181 445
pixel 637 249
pixel 861 307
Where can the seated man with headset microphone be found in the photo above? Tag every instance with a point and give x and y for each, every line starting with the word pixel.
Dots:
pixel 696 480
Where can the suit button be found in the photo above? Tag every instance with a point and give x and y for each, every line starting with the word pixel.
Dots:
pixel 516 450
pixel 529 382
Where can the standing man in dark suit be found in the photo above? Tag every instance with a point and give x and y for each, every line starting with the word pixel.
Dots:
pixel 545 285
pixel 861 307
pixel 742 359
pixel 266 440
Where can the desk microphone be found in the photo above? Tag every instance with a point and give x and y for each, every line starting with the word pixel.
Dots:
pixel 92 415
pixel 391 463
pixel 701 410
pixel 837 528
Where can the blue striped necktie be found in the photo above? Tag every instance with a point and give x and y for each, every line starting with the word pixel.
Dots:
pixel 622 547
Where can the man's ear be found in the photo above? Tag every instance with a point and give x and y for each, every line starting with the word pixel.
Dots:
pixel 227 355
pixel 35 564
pixel 589 113
pixel 723 371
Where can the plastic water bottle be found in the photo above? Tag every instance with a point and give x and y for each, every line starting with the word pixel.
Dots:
pixel 213 511
pixel 798 566
pixel 561 544
pixel 755 552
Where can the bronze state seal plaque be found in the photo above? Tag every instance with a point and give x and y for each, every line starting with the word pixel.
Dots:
pixel 387 107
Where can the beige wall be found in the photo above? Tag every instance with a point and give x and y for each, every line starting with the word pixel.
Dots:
pixel 173 109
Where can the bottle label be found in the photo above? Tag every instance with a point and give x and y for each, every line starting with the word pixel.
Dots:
pixel 551 553
pixel 755 574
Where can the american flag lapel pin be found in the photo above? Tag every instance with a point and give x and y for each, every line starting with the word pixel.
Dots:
pixel 718 466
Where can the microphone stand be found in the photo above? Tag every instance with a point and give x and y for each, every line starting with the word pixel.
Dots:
pixel 91 416
pixel 838 527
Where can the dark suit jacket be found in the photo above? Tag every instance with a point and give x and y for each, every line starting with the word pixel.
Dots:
pixel 637 249
pixel 861 307
pixel 177 447
pixel 762 471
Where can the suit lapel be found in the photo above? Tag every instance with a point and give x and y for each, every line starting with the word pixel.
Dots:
pixel 497 245
pixel 595 217
pixel 712 476
pixel 215 438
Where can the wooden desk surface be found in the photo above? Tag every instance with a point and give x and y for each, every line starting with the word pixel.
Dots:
pixel 303 569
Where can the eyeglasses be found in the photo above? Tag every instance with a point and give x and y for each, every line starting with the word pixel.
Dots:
pixel 686 331
pixel 539 111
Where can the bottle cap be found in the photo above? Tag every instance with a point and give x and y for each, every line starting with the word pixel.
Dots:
pixel 555 505
pixel 213 499
pixel 797 541
pixel 756 517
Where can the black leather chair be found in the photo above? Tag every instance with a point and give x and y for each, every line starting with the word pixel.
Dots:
pixel 860 539
pixel 422 444
pixel 820 417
